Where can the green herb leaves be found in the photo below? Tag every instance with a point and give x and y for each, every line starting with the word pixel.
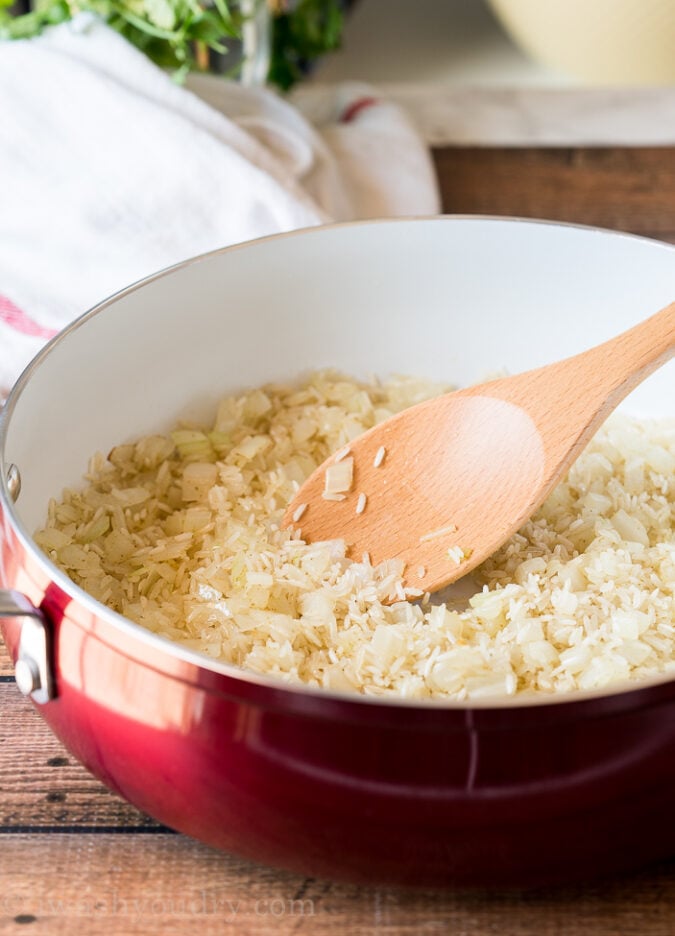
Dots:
pixel 180 34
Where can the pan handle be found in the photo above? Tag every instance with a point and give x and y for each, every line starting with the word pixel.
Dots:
pixel 33 669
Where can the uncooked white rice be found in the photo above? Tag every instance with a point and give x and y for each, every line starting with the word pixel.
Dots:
pixel 441 531
pixel 379 456
pixel 342 453
pixel 298 512
pixel 456 554
pixel 182 534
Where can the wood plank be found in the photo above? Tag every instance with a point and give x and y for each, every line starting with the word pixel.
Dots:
pixel 168 884
pixel 43 787
pixel 6 668
pixel 630 189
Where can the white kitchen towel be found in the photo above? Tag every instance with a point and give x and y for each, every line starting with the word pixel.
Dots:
pixel 111 172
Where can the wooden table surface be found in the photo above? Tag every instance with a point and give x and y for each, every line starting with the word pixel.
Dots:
pixel 75 859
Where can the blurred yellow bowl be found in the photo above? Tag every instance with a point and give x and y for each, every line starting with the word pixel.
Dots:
pixel 610 42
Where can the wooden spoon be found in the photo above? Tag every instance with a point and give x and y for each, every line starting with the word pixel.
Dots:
pixel 443 484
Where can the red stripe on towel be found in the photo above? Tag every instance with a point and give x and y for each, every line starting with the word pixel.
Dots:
pixel 17 319
pixel 355 108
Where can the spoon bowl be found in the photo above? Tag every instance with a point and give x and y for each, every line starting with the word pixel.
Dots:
pixel 442 485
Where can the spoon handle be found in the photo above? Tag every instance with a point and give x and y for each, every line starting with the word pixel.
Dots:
pixel 597 380
pixel 569 401
pixel 628 359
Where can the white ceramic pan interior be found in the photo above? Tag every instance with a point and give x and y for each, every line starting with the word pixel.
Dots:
pixel 450 298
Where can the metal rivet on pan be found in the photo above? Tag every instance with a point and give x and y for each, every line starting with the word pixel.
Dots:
pixel 13 482
pixel 27 675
